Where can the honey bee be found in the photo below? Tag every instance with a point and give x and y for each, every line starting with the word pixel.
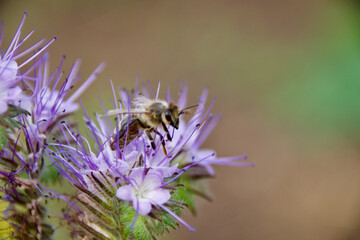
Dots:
pixel 148 115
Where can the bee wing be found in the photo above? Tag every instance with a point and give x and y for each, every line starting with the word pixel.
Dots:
pixel 141 101
pixel 124 111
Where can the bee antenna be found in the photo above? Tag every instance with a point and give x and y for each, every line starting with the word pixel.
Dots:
pixel 184 110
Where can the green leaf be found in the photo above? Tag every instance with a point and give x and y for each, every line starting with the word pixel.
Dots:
pixel 3 137
pixel 49 174
pixel 14 111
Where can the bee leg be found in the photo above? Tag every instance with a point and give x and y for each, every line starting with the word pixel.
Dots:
pixel 167 131
pixel 162 142
pixel 150 138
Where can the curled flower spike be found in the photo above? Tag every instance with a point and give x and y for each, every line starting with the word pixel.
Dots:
pixel 192 154
pixel 47 106
pixel 135 172
pixel 32 107
pixel 141 181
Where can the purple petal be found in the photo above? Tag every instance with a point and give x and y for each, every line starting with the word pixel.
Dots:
pixel 3 106
pixel 14 92
pixel 159 196
pixel 142 207
pixel 125 193
pixel 167 171
pixel 137 176
pixel 151 182
pixel 8 70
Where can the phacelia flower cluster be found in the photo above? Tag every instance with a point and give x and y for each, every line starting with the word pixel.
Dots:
pixel 10 74
pixel 131 177
pixel 33 102
pixel 151 185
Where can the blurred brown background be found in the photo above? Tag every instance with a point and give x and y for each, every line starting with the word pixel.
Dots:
pixel 286 75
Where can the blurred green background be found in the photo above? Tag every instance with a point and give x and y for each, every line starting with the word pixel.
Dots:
pixel 286 75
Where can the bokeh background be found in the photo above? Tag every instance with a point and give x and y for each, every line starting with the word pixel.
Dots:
pixel 286 75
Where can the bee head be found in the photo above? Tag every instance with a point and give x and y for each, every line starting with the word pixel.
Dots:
pixel 171 116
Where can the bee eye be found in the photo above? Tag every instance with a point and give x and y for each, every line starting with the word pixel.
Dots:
pixel 168 115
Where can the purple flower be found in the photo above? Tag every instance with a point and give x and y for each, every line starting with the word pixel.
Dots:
pixel 144 190
pixel 190 140
pixel 9 68
pixel 137 173
pixel 139 169
pixel 8 91
pixel 47 105
pixel 118 163
pixel 47 99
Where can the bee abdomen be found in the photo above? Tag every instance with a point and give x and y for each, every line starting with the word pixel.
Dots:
pixel 128 132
